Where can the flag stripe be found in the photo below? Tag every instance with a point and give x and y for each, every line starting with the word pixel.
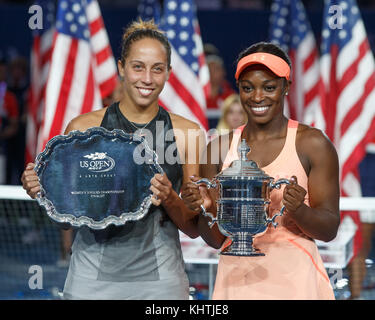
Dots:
pixel 88 99
pixel 57 123
pixel 187 98
pixel 357 108
pixel 96 25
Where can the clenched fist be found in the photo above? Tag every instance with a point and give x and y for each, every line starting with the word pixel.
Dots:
pixel 30 181
pixel 293 196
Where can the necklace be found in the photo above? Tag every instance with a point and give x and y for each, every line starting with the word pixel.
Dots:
pixel 140 128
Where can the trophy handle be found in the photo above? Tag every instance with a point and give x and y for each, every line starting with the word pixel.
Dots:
pixel 207 214
pixel 278 183
pixel 208 183
pixel 272 220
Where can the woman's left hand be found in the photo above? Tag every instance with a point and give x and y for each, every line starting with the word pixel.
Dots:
pixel 293 196
pixel 161 188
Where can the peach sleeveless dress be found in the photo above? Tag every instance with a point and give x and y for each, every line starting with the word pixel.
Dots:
pixel 292 267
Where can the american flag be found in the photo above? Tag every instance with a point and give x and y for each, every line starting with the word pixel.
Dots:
pixel 185 92
pixel 150 9
pixel 348 72
pixel 290 28
pixel 82 67
pixel 40 62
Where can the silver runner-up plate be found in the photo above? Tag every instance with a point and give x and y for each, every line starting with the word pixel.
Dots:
pixel 96 178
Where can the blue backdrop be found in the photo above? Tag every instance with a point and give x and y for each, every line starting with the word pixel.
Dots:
pixel 229 30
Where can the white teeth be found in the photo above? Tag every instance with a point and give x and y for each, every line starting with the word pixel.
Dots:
pixel 145 92
pixel 259 109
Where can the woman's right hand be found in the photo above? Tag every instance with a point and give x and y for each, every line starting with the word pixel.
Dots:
pixel 194 196
pixel 30 181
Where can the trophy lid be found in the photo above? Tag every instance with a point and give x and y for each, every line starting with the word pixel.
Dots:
pixel 243 167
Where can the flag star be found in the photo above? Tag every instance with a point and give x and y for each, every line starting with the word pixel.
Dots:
pixel 325 33
pixel 195 66
pixel 63 4
pixel 301 16
pixel 284 11
pixel 172 5
pixel 82 19
pixel 277 33
pixel 69 17
pixel 171 34
pixel 342 34
pixel 343 5
pixel 354 10
pixel 275 7
pixel 73 27
pixel 171 19
pixel 149 10
pixel 184 21
pixel 76 7
pixel 182 50
pixel 281 22
pixel 86 33
pixel 185 6
pixel 302 28
pixel 184 36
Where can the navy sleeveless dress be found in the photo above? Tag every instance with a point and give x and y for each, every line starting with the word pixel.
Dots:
pixel 142 259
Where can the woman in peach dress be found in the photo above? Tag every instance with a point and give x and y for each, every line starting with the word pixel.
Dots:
pixel 292 267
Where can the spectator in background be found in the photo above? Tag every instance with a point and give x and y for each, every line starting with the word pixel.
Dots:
pixel 233 115
pixel 9 112
pixel 18 84
pixel 220 87
pixel 357 271
pixel 114 97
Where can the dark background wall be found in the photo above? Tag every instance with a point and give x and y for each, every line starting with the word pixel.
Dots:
pixel 231 30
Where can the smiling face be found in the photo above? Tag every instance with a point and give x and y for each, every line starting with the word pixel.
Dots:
pixel 145 72
pixel 262 93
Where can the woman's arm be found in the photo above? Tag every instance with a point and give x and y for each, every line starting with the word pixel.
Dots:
pixel 190 140
pixel 195 196
pixel 321 220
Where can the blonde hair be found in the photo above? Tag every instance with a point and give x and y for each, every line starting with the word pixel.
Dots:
pixel 141 29
pixel 222 124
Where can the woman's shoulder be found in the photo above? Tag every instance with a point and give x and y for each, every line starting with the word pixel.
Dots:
pixel 86 120
pixel 180 122
pixel 310 139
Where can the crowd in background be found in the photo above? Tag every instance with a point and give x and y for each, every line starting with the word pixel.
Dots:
pixel 14 84
pixel 217 4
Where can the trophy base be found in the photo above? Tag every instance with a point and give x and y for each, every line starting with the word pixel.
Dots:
pixel 242 245
pixel 242 253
